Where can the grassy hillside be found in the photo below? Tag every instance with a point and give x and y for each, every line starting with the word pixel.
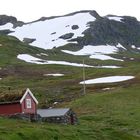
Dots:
pixel 110 115
pixel 103 114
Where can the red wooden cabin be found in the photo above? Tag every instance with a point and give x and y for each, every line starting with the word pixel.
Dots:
pixel 24 103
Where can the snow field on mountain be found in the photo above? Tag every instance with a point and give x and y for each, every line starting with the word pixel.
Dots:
pixel 47 32
pixel 98 52
pixel 110 79
pixel 31 59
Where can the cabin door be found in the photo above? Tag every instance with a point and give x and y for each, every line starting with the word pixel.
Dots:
pixel 71 119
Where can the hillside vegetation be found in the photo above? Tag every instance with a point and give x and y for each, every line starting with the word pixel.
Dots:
pixel 112 114
pixel 108 111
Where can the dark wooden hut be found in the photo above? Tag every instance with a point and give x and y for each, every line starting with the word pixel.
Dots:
pixel 58 115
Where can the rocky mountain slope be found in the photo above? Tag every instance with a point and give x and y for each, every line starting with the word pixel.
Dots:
pixel 78 30
pixel 83 28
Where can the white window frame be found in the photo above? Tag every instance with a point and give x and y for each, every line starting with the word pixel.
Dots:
pixel 28 103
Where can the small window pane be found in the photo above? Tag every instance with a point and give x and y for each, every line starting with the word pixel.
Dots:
pixel 28 103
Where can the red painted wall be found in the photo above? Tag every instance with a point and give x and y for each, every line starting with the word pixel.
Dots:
pixel 12 108
pixel 8 109
pixel 33 108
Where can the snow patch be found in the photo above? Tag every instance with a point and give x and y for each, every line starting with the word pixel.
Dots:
pixel 89 50
pixel 115 18
pixel 67 63
pixel 133 47
pixel 56 74
pixel 55 103
pixel 120 46
pixel 98 52
pixel 31 59
pixel 44 54
pixel 106 89
pixel 104 57
pixel 7 26
pixel 110 79
pixel 131 58
pixel 112 67
pixel 38 54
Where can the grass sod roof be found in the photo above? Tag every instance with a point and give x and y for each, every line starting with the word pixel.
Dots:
pixel 11 96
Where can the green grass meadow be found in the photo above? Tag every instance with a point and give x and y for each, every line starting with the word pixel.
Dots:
pixel 112 114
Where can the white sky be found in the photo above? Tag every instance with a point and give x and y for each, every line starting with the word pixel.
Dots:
pixel 29 10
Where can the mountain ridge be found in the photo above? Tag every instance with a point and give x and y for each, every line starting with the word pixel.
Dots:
pixel 104 30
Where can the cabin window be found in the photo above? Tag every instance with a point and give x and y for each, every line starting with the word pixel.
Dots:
pixel 28 103
pixel 58 118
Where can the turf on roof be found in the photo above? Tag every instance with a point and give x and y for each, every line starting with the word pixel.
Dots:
pixel 11 97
